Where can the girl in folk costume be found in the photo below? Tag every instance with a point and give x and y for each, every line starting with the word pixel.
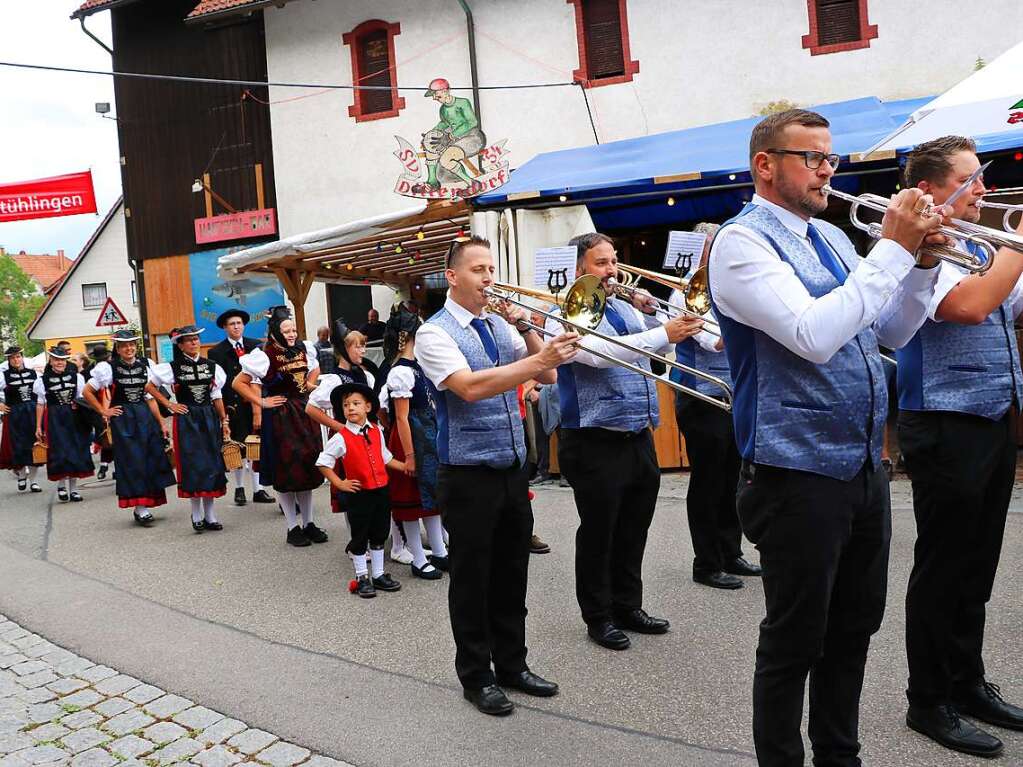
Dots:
pixel 290 442
pixel 117 390
pixel 200 424
pixel 68 456
pixel 349 370
pixel 18 408
pixel 413 439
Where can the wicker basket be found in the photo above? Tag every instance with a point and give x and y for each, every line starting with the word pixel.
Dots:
pixel 106 439
pixel 252 447
pixel 232 452
pixel 39 453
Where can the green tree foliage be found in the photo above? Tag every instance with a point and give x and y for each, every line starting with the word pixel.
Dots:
pixel 773 107
pixel 20 300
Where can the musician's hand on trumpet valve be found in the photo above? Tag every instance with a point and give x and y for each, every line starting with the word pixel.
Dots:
pixel 682 327
pixel 912 221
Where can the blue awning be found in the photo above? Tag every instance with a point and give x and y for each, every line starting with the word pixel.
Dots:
pixel 684 159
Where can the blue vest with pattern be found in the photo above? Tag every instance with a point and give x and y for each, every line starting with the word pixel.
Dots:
pixel 613 397
pixel 484 433
pixel 690 353
pixel 789 412
pixel 970 369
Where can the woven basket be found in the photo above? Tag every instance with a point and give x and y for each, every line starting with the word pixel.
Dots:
pixel 232 452
pixel 252 447
pixel 106 439
pixel 39 453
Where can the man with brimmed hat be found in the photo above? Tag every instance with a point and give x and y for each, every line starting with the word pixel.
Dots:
pixel 200 423
pixel 239 411
pixel 143 469
pixel 18 408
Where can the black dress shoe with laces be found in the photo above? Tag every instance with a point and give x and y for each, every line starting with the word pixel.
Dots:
pixel 640 622
pixel 262 496
pixel 718 580
pixel 297 538
pixel 606 635
pixel 490 700
pixel 239 496
pixel 384 582
pixel 364 587
pixel 943 725
pixel 529 683
pixel 314 534
pixel 739 566
pixel 984 701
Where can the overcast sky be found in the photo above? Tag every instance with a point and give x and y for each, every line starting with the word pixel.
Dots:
pixel 49 125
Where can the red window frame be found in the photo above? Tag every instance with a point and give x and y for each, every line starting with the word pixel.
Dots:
pixel 868 32
pixel 582 74
pixel 351 39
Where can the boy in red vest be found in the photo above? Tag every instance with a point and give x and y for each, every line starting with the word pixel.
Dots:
pixel 361 449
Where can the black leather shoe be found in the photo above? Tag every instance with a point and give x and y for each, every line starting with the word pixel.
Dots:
pixel 62 495
pixel 22 484
pixel 143 519
pixel 34 487
pixel 297 538
pixel 739 566
pixel 365 588
pixel 314 534
pixel 490 700
pixel 384 582
pixel 529 683
pixel 441 563
pixel 75 497
pixel 718 580
pixel 213 526
pixel 262 496
pixel 639 621
pixel 239 496
pixel 198 526
pixel 984 701
pixel 427 575
pixel 943 725
pixel 606 635
pixel 102 473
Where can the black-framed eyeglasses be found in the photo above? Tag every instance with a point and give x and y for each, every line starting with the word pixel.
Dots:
pixel 812 158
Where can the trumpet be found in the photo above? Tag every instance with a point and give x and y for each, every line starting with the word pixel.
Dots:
pixel 582 309
pixel 695 292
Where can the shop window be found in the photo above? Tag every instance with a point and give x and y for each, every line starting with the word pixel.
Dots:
pixel 838 25
pixel 94 295
pixel 602 33
pixel 372 49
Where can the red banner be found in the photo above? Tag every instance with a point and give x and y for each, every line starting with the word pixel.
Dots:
pixel 48 197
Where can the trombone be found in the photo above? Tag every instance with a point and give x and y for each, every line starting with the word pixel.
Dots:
pixel 984 237
pixel 582 310
pixel 695 292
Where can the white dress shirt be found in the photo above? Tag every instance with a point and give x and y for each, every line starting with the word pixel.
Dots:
pixel 163 375
pixel 335 449
pixel 438 354
pixel 951 275
pixel 655 340
pixel 753 285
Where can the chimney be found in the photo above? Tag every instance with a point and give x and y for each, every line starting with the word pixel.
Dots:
pixel 61 261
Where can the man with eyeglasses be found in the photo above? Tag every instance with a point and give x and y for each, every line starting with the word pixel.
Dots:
pixel 801 317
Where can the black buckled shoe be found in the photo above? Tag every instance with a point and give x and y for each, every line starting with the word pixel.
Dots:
pixel 490 700
pixel 529 683
pixel 239 496
pixel 364 587
pixel 75 497
pixel 739 566
pixel 198 526
pixel 606 635
pixel 212 526
pixel 427 572
pixel 943 725
pixel 22 484
pixel 62 495
pixel 145 519
pixel 384 582
pixel 262 496
pixel 984 701
pixel 34 487
pixel 718 580
pixel 640 622
pixel 296 537
pixel 314 534
pixel 441 563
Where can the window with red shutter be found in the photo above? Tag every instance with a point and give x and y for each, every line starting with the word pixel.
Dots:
pixel 838 25
pixel 373 64
pixel 602 34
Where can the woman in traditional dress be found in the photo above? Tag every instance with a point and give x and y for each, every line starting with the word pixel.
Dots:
pixel 18 408
pixel 117 390
pixel 62 426
pixel 200 423
pixel 286 369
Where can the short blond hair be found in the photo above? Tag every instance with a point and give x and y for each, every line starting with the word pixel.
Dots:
pixel 355 338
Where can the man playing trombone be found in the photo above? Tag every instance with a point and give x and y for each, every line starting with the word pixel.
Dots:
pixel 801 316
pixel 606 451
pixel 959 388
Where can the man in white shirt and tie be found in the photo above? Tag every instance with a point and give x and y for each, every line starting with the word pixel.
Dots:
pixel 801 316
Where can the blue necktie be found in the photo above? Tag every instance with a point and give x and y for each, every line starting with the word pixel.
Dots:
pixel 615 319
pixel 489 344
pixel 826 254
pixel 976 250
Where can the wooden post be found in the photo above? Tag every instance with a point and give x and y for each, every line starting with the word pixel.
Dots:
pixel 260 199
pixel 207 194
pixel 297 284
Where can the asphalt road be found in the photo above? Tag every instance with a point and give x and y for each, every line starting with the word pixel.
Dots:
pixel 267 633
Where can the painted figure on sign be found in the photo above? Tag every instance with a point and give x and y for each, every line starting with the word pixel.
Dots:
pixel 452 141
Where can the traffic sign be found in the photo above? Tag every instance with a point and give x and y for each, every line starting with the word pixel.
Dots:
pixel 110 315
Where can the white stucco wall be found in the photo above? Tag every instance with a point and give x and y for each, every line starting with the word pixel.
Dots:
pixel 700 62
pixel 106 261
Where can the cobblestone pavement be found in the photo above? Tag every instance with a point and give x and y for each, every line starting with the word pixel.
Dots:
pixel 58 708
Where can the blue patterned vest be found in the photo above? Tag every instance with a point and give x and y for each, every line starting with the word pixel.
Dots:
pixel 484 433
pixel 789 412
pixel 970 369
pixel 690 353
pixel 609 398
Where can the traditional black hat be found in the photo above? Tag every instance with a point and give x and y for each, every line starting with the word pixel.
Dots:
pixel 57 354
pixel 337 398
pixel 225 316
pixel 179 334
pixel 100 353
pixel 123 335
pixel 12 350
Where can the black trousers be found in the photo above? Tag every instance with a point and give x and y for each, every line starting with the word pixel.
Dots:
pixel 615 479
pixel 962 468
pixel 369 516
pixel 714 473
pixel 489 521
pixel 824 549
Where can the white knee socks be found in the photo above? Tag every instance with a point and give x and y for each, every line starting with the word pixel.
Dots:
pixel 415 542
pixel 359 562
pixel 32 473
pixel 305 505
pixel 196 509
pixel 287 501
pixel 239 477
pixel 72 484
pixel 377 562
pixel 397 542
pixel 435 531
pixel 253 479
pixel 207 508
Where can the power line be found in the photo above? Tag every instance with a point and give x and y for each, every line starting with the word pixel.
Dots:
pixel 263 84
